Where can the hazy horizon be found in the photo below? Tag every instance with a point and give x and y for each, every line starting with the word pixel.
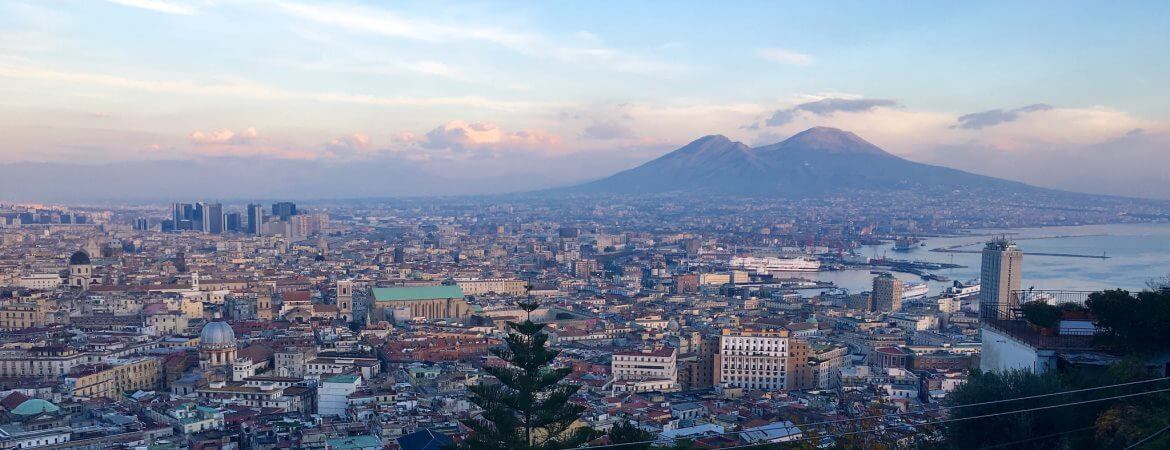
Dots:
pixel 361 99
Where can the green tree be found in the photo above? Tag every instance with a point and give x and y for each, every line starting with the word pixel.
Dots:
pixel 627 433
pixel 1132 419
pixel 1132 324
pixel 1041 314
pixel 982 387
pixel 528 408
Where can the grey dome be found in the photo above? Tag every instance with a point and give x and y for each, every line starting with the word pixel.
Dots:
pixel 79 258
pixel 218 334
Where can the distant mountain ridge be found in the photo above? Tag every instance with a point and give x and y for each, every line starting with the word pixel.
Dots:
pixel 818 161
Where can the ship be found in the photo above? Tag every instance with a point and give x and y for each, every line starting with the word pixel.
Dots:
pixel 775 264
pixel 915 290
pixel 960 289
pixel 905 243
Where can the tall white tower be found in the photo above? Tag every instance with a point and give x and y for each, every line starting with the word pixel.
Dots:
pixel 999 275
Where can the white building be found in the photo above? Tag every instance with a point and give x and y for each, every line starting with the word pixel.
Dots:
pixel 501 286
pixel 44 281
pixel 915 322
pixel 752 359
pixel 333 393
pixel 15 436
pixel 999 275
pixel 645 370
pixel 949 304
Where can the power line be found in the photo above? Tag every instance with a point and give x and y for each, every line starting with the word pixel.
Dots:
pixel 792 441
pixel 1143 441
pixel 959 419
pixel 877 416
pixel 1021 441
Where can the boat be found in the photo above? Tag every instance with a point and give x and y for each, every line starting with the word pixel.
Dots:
pixel 906 243
pixel 771 264
pixel 915 290
pixel 960 289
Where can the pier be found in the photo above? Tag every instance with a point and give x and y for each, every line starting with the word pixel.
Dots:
pixel 1063 255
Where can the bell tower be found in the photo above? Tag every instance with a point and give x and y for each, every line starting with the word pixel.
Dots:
pixel 345 299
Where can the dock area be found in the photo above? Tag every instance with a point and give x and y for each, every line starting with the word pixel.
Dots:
pixel 1063 255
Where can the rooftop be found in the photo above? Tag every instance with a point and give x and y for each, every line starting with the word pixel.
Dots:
pixel 416 293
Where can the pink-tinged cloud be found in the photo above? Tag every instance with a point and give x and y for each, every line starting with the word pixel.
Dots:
pixel 352 145
pixel 246 143
pixel 461 135
pixel 406 137
pixel 353 141
pixel 224 137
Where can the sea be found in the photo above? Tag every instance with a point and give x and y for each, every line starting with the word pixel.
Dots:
pixel 1136 255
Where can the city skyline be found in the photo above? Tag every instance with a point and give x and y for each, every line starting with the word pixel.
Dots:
pixel 526 96
pixel 475 225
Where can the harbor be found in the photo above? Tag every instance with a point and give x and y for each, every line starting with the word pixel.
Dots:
pixel 959 249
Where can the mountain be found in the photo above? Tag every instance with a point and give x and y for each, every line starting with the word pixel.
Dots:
pixel 814 162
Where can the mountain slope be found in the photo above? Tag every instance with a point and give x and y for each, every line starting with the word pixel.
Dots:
pixel 708 161
pixel 817 161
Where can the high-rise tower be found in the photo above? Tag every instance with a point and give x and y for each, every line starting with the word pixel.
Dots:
pixel 887 293
pixel 255 219
pixel 999 275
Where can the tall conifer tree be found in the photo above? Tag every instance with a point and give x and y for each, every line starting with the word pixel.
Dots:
pixel 528 408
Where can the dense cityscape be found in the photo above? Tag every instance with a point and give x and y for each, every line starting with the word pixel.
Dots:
pixel 526 225
pixel 363 325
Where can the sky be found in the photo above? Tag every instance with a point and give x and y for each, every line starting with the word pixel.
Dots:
pixel 516 95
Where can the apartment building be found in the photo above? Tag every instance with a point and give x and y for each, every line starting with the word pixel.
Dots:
pixel 753 359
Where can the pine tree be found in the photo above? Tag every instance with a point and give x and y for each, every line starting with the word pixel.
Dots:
pixel 627 433
pixel 528 408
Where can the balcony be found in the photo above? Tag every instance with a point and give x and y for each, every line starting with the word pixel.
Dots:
pixel 1075 331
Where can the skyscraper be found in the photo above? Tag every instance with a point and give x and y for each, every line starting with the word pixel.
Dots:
pixel 255 218
pixel 887 293
pixel 999 275
pixel 284 210
pixel 197 217
pixel 212 215
pixel 231 222
pixel 179 214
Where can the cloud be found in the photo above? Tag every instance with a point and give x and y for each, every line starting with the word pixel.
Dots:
pixel 348 146
pixel 826 107
pixel 785 56
pixel 375 63
pixel 223 137
pixel 582 48
pixel 246 89
pixel 617 61
pixel 608 130
pixel 460 135
pixel 160 6
pixel 984 119
pixel 386 23
pixel 780 117
pixel 355 140
pixel 247 143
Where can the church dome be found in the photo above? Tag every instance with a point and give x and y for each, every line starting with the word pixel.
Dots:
pixel 35 406
pixel 79 258
pixel 217 334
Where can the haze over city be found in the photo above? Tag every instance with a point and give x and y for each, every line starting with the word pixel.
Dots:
pixel 428 98
pixel 486 225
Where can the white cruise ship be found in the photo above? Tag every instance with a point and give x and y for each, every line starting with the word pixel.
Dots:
pixel 915 290
pixel 773 264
